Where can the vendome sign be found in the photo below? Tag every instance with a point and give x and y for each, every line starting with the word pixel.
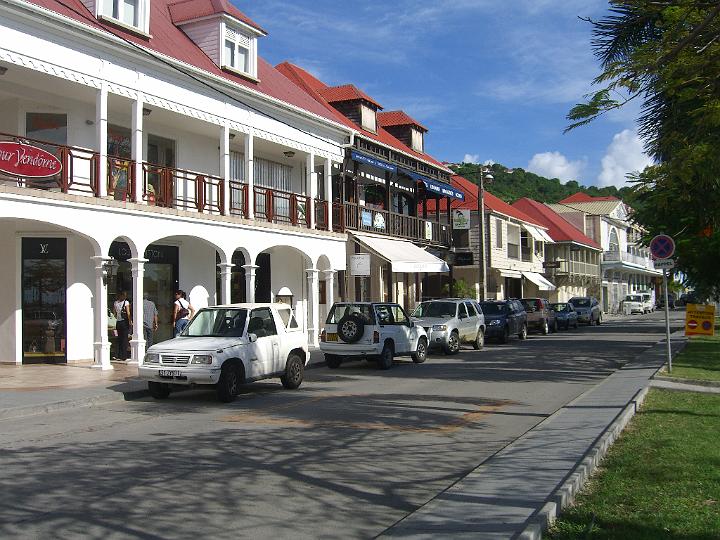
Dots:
pixel 28 161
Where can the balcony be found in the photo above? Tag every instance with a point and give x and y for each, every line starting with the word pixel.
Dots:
pixel 620 257
pixel 202 193
pixel 576 268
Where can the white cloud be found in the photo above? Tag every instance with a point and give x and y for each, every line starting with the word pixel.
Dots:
pixel 471 158
pixel 556 165
pixel 624 155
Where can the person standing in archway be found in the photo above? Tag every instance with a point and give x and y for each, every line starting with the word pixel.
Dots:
pixel 121 307
pixel 183 312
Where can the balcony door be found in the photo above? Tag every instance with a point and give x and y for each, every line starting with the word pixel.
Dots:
pixel 160 154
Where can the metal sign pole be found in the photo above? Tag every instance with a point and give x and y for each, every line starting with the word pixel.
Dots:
pixel 667 321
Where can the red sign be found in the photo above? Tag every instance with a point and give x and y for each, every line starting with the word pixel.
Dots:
pixel 28 161
pixel 662 246
pixel 692 325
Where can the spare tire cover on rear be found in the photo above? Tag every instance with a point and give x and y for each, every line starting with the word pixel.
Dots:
pixel 351 328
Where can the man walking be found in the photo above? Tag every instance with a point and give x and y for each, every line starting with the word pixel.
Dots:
pixel 150 319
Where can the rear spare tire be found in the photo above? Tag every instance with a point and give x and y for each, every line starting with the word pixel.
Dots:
pixel 351 328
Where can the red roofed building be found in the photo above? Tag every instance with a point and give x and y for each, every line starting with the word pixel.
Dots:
pixel 573 260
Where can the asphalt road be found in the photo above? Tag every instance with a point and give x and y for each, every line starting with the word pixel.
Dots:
pixel 347 455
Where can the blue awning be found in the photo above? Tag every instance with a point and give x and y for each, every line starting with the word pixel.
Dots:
pixel 435 186
pixel 375 162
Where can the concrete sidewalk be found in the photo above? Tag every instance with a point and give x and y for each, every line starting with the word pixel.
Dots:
pixel 520 489
pixel 40 388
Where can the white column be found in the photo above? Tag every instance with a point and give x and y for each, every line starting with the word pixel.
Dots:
pixel 313 307
pixel 312 179
pixel 136 144
pixel 225 282
pixel 329 287
pixel 329 193
pixel 250 270
pixel 225 168
pixel 250 176
pixel 101 344
pixel 137 341
pixel 101 121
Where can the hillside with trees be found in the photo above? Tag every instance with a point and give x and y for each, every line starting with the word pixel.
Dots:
pixel 513 184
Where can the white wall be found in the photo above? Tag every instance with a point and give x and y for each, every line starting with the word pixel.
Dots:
pixel 9 316
pixel 197 272
pixel 288 270
pixel 80 298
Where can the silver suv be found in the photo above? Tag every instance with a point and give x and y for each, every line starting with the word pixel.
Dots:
pixel 450 322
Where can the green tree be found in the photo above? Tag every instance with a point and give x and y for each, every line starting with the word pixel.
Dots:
pixel 666 53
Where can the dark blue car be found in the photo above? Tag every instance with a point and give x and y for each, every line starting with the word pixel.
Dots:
pixel 565 315
pixel 504 318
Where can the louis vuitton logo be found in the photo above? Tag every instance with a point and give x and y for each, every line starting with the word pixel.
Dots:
pixel 44 249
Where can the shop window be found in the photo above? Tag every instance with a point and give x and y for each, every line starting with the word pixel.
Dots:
pixel 461 238
pixel 239 52
pixel 375 196
pixel 47 127
pixel 118 144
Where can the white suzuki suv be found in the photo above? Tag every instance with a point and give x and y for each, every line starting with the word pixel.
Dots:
pixel 374 331
pixel 226 346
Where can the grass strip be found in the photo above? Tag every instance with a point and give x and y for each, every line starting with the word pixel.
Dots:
pixel 661 479
pixel 700 360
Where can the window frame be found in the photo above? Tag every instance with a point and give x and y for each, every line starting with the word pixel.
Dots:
pixel 499 233
pixel 239 35
pixel 142 14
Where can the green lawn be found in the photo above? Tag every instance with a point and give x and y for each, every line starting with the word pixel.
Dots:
pixel 699 360
pixel 661 479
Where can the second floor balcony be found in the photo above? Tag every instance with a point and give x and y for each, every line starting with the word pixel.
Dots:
pixel 615 258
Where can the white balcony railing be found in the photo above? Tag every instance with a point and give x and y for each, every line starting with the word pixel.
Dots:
pixel 622 256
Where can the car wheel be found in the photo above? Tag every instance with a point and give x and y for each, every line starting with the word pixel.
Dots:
pixel 523 332
pixel 385 360
pixel 545 328
pixel 294 372
pixel 506 336
pixel 351 328
pixel 479 342
pixel 228 387
pixel 420 353
pixel 158 390
pixel 332 361
pixel 453 343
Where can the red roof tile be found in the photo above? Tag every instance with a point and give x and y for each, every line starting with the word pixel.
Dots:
pixel 167 39
pixel 398 118
pixel 581 197
pixel 559 229
pixel 188 10
pixel 346 92
pixel 313 86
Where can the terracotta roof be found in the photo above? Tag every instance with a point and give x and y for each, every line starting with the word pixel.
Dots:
pixel 346 92
pixel 188 10
pixel 398 118
pixel 584 197
pixel 169 40
pixel 559 229
pixel 492 203
pixel 314 87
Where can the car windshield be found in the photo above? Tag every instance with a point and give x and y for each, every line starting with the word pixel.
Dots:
pixel 338 311
pixel 435 309
pixel 559 307
pixel 580 302
pixel 633 298
pixel 491 308
pixel 529 305
pixel 217 322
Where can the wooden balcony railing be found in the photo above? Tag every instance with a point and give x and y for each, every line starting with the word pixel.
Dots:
pixel 238 199
pixel 398 225
pixel 278 206
pixel 178 188
pixel 321 214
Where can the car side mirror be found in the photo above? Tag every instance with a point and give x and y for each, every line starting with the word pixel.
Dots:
pixel 252 338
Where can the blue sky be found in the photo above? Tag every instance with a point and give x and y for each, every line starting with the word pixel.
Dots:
pixel 491 79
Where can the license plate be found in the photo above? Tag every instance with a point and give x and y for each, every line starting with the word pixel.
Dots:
pixel 331 337
pixel 169 373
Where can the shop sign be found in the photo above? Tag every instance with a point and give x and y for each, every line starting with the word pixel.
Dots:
pixel 379 221
pixel 27 161
pixel 428 231
pixel 700 320
pixel 461 219
pixel 366 218
pixel 360 264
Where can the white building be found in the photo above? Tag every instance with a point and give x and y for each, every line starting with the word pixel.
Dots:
pixel 626 266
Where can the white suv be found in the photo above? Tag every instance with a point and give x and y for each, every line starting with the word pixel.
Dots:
pixel 227 346
pixel 374 331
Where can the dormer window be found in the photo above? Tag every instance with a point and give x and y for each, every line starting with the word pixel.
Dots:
pixel 132 14
pixel 239 52
pixel 368 117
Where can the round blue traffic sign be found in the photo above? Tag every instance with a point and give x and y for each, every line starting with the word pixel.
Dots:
pixel 662 246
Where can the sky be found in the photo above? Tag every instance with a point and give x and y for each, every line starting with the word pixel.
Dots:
pixel 492 80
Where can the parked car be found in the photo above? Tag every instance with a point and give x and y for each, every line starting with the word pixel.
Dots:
pixel 504 318
pixel 539 315
pixel 633 303
pixel 450 322
pixel 565 315
pixel 227 346
pixel 373 331
pixel 588 309
pixel 648 299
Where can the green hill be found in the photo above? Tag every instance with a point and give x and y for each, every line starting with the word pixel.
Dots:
pixel 513 184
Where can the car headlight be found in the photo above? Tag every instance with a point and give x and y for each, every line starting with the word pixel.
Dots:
pixel 204 359
pixel 439 327
pixel 151 358
pixel 495 322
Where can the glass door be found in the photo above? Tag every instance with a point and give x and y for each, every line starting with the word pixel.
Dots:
pixel 160 154
pixel 43 300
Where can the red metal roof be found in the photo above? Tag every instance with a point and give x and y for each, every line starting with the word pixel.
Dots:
pixel 398 118
pixel 314 87
pixel 584 197
pixel 169 40
pixel 346 92
pixel 188 10
pixel 559 229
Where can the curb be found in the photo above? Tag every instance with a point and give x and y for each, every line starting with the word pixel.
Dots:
pixel 695 382
pixel 565 494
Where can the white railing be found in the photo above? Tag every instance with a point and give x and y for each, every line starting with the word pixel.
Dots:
pixel 622 256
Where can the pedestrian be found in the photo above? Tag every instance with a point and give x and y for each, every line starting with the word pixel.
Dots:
pixel 123 315
pixel 183 312
pixel 150 319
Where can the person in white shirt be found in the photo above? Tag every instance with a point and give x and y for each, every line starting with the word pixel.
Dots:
pixel 182 313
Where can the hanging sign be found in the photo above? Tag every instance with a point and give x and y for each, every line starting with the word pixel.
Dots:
pixel 27 161
pixel 461 219
pixel 360 264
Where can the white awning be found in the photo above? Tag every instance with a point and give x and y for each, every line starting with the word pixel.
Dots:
pixel 403 256
pixel 510 273
pixel 538 234
pixel 540 281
